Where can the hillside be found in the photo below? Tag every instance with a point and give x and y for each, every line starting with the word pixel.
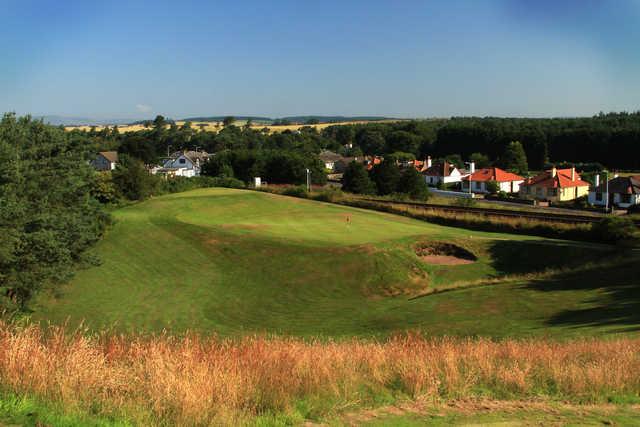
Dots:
pixel 235 262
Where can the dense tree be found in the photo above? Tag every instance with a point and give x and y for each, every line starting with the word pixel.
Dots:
pixel 514 158
pixel 412 183
pixel 133 180
pixel 356 179
pixel 403 141
pixel 139 147
pixel 480 160
pixel 386 176
pixel 48 217
pixel 228 121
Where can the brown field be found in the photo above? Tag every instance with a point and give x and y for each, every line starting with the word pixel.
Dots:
pixel 216 126
pixel 202 381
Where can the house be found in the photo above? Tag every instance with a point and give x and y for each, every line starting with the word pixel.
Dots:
pixel 441 172
pixel 183 163
pixel 555 185
pixel 329 158
pixel 105 161
pixel 506 181
pixel 622 192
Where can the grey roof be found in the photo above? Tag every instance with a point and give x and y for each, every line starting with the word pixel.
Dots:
pixel 622 185
pixel 192 155
pixel 329 156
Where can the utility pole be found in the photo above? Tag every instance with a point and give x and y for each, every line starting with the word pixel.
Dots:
pixel 606 180
pixel 308 179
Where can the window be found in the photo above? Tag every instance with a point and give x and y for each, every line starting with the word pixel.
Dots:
pixel 552 192
pixel 182 161
pixel 599 197
pixel 540 191
pixel 625 198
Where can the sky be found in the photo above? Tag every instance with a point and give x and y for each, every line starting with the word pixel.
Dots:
pixel 402 58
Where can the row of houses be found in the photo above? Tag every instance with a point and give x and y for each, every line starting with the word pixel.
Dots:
pixel 554 185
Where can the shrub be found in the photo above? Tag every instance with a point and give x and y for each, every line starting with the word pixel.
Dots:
pixel 413 184
pixel 329 195
pixel 133 180
pixel 103 188
pixel 465 202
pixel 492 187
pixel 614 229
pixel 297 191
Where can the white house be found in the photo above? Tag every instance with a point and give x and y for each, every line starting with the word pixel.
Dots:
pixel 623 192
pixel 506 181
pixel 329 158
pixel 105 161
pixel 441 172
pixel 184 163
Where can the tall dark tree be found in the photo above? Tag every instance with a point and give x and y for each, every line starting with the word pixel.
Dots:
pixel 412 183
pixel 356 179
pixel 514 158
pixel 228 121
pixel 386 176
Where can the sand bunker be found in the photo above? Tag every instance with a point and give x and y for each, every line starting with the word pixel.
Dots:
pixel 440 253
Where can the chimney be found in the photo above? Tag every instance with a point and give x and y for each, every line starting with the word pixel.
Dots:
pixel 472 167
pixel 573 174
pixel 554 172
pixel 428 161
pixel 597 180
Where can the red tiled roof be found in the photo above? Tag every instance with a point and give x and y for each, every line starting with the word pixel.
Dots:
pixel 493 174
pixel 374 161
pixel 561 180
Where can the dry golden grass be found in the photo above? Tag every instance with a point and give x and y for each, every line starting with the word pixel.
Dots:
pixel 200 381
pixel 217 126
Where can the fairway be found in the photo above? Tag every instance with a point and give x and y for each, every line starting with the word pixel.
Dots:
pixel 233 262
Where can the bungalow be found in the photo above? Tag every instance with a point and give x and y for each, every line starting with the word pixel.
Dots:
pixel 441 172
pixel 105 161
pixel 623 192
pixel 506 181
pixel 184 163
pixel 329 158
pixel 555 185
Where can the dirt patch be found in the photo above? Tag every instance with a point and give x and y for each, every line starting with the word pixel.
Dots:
pixel 440 253
pixel 445 260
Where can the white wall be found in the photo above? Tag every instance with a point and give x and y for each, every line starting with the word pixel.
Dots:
pixel 182 162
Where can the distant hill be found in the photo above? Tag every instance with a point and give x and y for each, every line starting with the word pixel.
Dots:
pixel 81 121
pixel 290 119
pixel 255 119
pixel 333 119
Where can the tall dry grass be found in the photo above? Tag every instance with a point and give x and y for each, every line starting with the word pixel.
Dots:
pixel 199 381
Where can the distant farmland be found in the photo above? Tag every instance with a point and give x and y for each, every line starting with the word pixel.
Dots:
pixel 217 126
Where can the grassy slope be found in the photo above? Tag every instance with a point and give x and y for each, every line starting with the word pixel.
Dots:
pixel 234 261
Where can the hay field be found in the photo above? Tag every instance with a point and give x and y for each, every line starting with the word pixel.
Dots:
pixel 217 126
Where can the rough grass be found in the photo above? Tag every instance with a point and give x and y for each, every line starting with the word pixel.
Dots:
pixel 204 381
pixel 235 262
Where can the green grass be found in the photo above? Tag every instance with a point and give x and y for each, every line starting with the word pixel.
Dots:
pixel 26 411
pixel 233 262
pixel 622 416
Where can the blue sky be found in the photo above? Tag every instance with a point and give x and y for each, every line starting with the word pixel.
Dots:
pixel 407 58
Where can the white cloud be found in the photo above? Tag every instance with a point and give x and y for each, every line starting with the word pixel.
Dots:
pixel 143 108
